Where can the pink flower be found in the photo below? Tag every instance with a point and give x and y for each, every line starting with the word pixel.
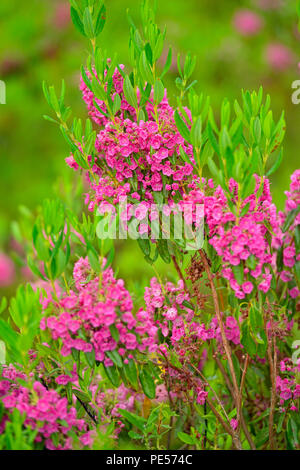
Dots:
pixel 294 292
pixel 171 314
pixel 247 23
pixel 7 271
pixel 86 439
pixel 72 163
pixel 201 397
pixel 278 56
pixel 234 424
pixel 63 379
pixel 247 287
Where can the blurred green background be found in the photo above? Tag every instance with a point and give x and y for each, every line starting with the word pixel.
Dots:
pixel 38 42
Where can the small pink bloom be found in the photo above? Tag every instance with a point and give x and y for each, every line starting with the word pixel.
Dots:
pixel 247 287
pixel 278 56
pixel 171 314
pixel 247 23
pixel 234 424
pixel 7 271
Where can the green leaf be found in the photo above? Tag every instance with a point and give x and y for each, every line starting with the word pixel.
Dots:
pixel 75 354
pixel 251 262
pixel 267 126
pixel 88 24
pixel 291 215
pixel 113 375
pixel 94 261
pixel 100 22
pixel 162 246
pixel 213 168
pixel 115 357
pixel 247 340
pixel 135 435
pixel 257 130
pixel 77 21
pixel 261 339
pixel 292 433
pixel 133 419
pixel 145 69
pixel 131 372
pixel 98 90
pixel 256 318
pixel 90 358
pixel 144 245
pixel 114 332
pixel 186 438
pixel 159 91
pixel 3 304
pixel 213 139
pixel 297 239
pixel 84 397
pixel 129 92
pixel 196 133
pixel 7 334
pixel 225 141
pixel 182 127
pixel 238 272
pixel 276 165
pixel 147 383
pixel 117 104
pixel 2 353
pixel 167 64
pixel 262 437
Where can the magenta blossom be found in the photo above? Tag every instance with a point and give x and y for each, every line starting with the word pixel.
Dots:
pixel 279 56
pixel 7 271
pixel 247 23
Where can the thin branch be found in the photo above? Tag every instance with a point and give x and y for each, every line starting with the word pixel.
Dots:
pixel 227 427
pixel 179 272
pixel 235 439
pixel 229 386
pixel 273 382
pixel 87 410
pixel 223 334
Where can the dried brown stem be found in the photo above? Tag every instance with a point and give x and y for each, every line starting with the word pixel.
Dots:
pixel 235 439
pixel 179 272
pixel 229 386
pixel 223 335
pixel 273 365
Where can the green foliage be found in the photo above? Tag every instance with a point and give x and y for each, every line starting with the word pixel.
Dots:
pixel 242 139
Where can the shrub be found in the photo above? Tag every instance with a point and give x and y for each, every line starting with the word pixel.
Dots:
pixel 205 360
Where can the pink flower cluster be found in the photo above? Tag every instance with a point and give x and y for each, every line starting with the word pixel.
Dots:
pixel 167 308
pixel 286 240
pixel 287 387
pixel 98 316
pixel 110 401
pixel 135 158
pixel 45 411
pixel 240 239
pixel 232 330
pixel 248 23
pixel 99 117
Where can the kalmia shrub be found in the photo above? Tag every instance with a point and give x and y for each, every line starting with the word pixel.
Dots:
pixel 205 357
